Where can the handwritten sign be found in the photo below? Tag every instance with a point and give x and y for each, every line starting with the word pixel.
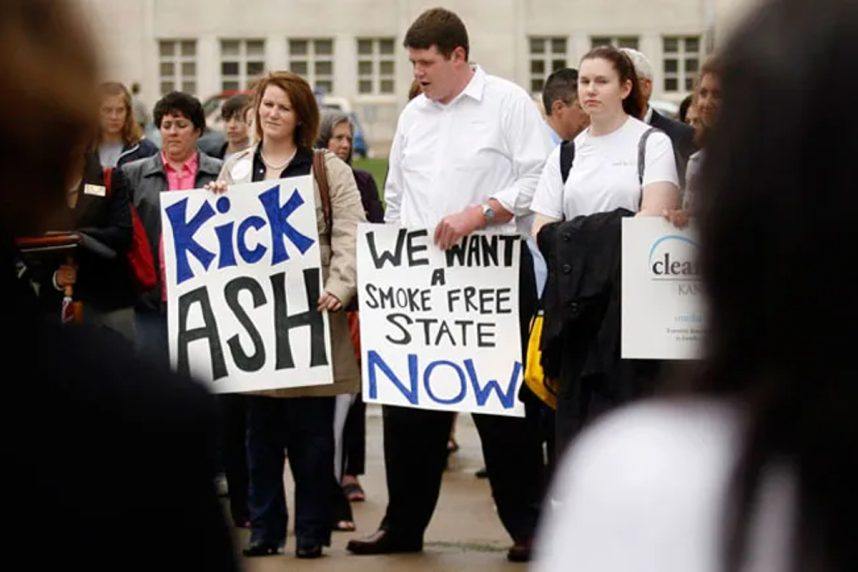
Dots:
pixel 440 330
pixel 243 275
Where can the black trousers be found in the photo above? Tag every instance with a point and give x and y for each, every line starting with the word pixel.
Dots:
pixel 415 453
pixel 304 426
pixel 354 438
pixel 233 433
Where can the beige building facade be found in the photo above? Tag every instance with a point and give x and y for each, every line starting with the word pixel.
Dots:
pixel 353 48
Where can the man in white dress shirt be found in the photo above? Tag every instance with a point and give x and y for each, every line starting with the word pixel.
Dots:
pixel 467 155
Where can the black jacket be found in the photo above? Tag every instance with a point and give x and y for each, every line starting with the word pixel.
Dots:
pixel 102 452
pixel 369 196
pixel 682 138
pixel 581 331
pixel 140 150
pixel 103 276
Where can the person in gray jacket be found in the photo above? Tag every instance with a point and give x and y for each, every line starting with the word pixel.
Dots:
pixel 179 166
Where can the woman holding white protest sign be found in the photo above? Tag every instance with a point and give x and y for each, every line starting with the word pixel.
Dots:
pixel 619 166
pixel 300 420
pixel 604 172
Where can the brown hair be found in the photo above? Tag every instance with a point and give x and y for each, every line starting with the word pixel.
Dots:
pixel 414 90
pixel 48 105
pixel 633 104
pixel 437 27
pixel 131 132
pixel 303 104
pixel 712 65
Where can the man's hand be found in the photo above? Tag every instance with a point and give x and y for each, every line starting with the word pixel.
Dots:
pixel 452 228
pixel 328 301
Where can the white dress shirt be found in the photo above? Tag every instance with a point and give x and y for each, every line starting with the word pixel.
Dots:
pixel 489 142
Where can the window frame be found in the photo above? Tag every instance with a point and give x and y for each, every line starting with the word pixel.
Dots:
pixel 178 58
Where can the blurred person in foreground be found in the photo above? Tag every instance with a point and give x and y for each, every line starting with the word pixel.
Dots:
pixel 83 418
pixel 753 469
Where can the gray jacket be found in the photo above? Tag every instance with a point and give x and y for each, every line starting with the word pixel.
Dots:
pixel 146 181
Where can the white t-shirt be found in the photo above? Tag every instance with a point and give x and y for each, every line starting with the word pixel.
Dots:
pixel 645 489
pixel 604 174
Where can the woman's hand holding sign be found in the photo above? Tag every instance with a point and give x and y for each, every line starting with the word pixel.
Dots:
pixel 328 301
pixel 217 187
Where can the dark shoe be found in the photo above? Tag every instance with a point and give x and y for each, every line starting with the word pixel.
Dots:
pixel 308 551
pixel 482 473
pixel 354 492
pixel 382 542
pixel 521 551
pixel 260 549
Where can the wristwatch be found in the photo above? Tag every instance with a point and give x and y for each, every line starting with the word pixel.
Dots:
pixel 488 213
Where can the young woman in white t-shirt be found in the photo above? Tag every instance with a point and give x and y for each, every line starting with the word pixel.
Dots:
pixel 604 174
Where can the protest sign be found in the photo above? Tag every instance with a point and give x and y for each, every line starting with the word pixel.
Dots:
pixel 243 276
pixel 662 315
pixel 440 330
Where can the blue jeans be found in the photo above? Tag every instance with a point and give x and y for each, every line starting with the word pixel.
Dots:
pixel 304 427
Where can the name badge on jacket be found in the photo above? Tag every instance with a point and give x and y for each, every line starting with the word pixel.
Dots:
pixel 96 190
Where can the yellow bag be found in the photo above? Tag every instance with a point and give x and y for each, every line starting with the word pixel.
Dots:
pixel 534 377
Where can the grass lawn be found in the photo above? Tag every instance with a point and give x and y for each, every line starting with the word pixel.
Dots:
pixel 378 168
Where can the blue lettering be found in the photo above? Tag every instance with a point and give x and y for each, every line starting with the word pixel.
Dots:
pixel 224 238
pixel 427 374
pixel 183 237
pixel 482 393
pixel 374 360
pixel 277 218
pixel 250 256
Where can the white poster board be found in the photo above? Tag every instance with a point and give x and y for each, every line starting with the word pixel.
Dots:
pixel 440 330
pixel 243 276
pixel 662 301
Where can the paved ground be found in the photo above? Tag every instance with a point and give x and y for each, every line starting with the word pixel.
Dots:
pixel 465 533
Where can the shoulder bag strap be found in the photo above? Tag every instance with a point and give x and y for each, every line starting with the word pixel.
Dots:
pixel 320 173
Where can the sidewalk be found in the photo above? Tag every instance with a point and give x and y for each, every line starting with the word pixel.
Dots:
pixel 465 533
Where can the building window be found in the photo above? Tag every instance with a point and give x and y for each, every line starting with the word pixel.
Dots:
pixel 241 61
pixel 376 63
pixel 177 61
pixel 616 41
pixel 314 61
pixel 547 55
pixel 681 62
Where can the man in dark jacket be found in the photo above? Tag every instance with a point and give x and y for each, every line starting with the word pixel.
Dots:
pixel 681 135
